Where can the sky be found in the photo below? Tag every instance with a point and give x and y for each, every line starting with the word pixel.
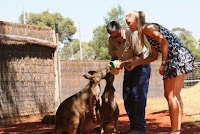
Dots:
pixel 89 14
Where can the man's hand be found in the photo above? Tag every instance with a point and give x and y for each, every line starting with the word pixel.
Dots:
pixel 113 71
pixel 123 64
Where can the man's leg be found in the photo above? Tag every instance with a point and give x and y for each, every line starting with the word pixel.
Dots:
pixel 138 96
pixel 127 94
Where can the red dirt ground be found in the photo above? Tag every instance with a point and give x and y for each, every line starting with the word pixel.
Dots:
pixel 157 122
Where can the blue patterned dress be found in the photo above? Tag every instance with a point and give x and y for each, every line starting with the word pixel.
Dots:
pixel 180 60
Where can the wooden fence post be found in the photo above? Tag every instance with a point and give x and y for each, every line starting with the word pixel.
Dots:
pixel 57 70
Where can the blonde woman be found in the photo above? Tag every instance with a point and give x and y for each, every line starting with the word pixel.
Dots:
pixel 176 61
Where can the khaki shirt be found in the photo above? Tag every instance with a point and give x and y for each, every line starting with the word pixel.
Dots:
pixel 128 48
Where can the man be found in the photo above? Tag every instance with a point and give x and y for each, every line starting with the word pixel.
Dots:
pixel 124 46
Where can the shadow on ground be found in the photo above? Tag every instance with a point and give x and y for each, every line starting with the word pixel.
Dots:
pixel 157 122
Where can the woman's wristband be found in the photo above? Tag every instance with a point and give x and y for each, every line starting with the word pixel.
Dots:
pixel 163 62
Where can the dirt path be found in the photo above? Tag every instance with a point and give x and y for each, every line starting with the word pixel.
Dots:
pixel 157 122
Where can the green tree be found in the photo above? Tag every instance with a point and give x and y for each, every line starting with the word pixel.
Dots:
pixel 186 37
pixel 116 14
pixel 188 40
pixel 100 43
pixel 100 39
pixel 66 53
pixel 65 25
pixel 88 53
pixel 196 54
pixel 98 47
pixel 70 49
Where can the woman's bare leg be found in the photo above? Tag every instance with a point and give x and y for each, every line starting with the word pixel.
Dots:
pixel 178 95
pixel 173 88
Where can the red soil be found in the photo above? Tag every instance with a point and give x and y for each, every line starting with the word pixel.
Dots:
pixel 157 122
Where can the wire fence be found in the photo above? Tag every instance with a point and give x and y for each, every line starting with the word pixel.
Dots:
pixel 192 78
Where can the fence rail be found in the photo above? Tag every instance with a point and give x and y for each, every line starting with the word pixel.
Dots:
pixel 192 78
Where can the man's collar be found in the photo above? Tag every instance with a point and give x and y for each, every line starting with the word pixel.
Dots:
pixel 124 34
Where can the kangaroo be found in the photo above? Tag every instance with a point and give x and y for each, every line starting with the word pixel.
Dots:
pixel 109 110
pixel 70 115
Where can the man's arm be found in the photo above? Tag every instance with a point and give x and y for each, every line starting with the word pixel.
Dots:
pixel 137 49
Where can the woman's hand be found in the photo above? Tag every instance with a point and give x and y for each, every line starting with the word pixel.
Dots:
pixel 162 68
pixel 130 66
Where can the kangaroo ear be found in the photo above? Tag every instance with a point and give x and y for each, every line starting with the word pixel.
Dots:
pixel 92 72
pixel 88 76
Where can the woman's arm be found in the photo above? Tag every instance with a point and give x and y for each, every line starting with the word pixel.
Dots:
pixel 152 30
pixel 150 58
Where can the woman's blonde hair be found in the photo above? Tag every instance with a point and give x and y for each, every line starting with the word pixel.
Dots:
pixel 141 18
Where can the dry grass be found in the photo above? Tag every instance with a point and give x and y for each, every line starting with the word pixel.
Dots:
pixel 191 99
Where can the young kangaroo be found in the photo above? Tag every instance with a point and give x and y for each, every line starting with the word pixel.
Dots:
pixel 109 110
pixel 70 115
